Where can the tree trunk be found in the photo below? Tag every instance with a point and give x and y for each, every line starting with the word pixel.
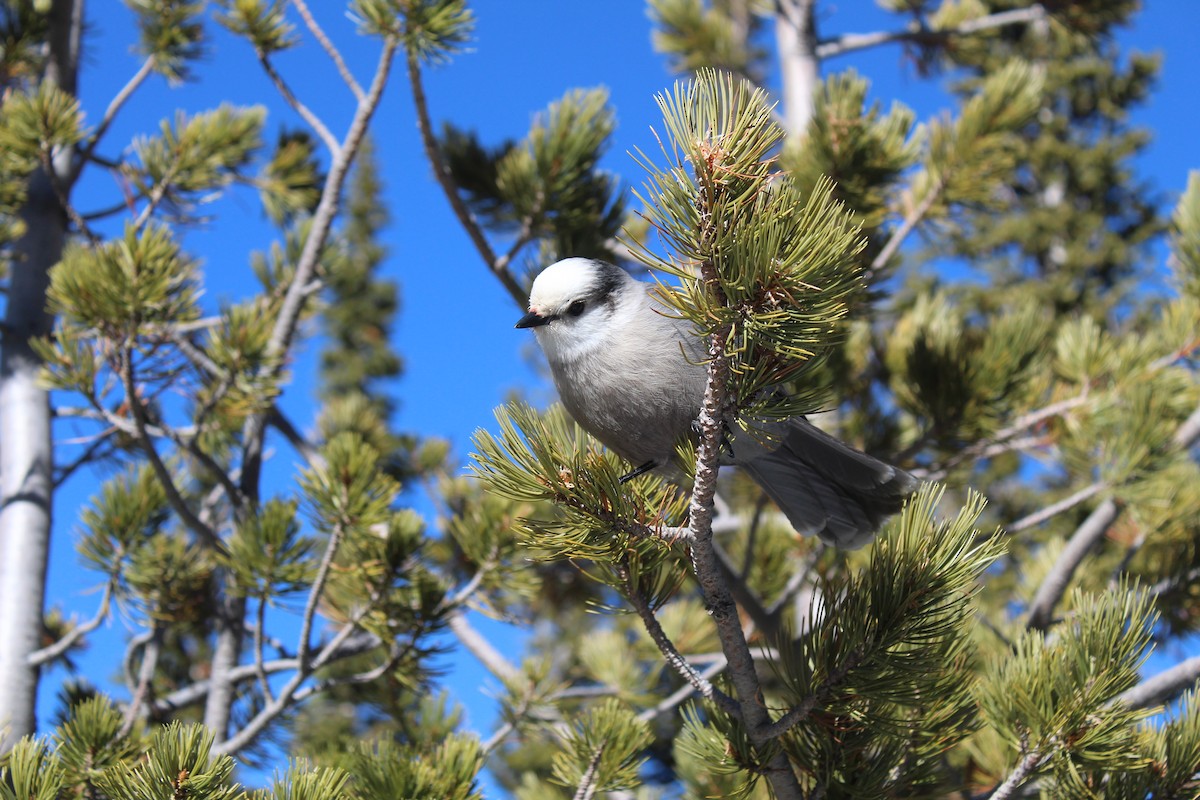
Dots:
pixel 26 451
pixel 799 69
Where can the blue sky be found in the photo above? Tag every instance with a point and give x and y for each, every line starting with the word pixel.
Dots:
pixel 456 329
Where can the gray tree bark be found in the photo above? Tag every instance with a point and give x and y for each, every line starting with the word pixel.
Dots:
pixel 26 452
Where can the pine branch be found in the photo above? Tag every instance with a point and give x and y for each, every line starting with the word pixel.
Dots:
pixel 150 653
pixel 911 220
pixel 674 658
pixel 47 654
pixel 1018 776
pixel 330 48
pixel 716 593
pixel 587 784
pixel 1164 687
pixel 110 114
pixel 304 111
pixel 192 694
pixel 304 643
pixel 441 171
pixel 481 648
pixel 683 693
pixel 921 34
pixel 306 266
pixel 1088 536
pixel 1054 509
pixel 178 504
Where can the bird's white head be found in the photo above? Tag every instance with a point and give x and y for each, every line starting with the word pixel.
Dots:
pixel 572 304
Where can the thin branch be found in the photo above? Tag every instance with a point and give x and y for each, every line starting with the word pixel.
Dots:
pixel 178 504
pixel 674 658
pixel 683 693
pixel 47 654
pixel 89 453
pixel 110 114
pixel 587 782
pixel 330 48
pixel 263 685
pixel 280 422
pixel 1087 536
pixel 1082 542
pixel 1018 776
pixel 1163 687
pixel 150 652
pixel 304 644
pixel 849 42
pixel 195 693
pixel 1054 509
pixel 911 220
pixel 481 648
pixel 442 172
pixel 711 422
pixel 306 266
pixel 314 122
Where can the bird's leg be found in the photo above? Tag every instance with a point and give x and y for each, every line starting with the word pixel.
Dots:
pixel 642 470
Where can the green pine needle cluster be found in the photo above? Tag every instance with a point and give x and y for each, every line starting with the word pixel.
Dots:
pixel 769 270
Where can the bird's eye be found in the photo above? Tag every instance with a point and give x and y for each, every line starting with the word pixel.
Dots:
pixel 576 308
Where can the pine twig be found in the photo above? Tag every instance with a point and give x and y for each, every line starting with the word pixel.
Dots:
pixel 911 221
pixel 708 572
pixel 683 693
pixel 850 42
pixel 1054 509
pixel 150 652
pixel 47 654
pixel 481 648
pixel 114 107
pixel 306 113
pixel 442 172
pixel 174 498
pixel 330 48
pixel 306 265
pixel 675 659
pixel 587 782
pixel 1018 776
pixel 1163 687
pixel 1082 542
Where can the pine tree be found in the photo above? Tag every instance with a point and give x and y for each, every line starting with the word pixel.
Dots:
pixel 685 641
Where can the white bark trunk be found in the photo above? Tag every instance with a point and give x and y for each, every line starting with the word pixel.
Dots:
pixel 799 68
pixel 26 450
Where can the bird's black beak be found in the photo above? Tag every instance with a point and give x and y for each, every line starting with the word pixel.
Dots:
pixel 533 320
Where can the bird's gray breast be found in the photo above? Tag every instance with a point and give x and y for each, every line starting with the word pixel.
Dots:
pixel 638 394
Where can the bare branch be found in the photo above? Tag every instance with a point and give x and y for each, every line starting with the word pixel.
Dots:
pixel 195 693
pixel 481 648
pixel 674 658
pixel 110 114
pixel 1082 542
pixel 911 221
pixel 304 643
pixel 1163 687
pixel 707 568
pixel 306 266
pixel 47 654
pixel 178 504
pixel 1054 509
pixel 1018 776
pixel 313 121
pixel 683 693
pixel 150 651
pixel 919 33
pixel 329 47
pixel 442 172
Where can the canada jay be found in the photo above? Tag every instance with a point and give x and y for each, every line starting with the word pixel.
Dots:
pixel 633 376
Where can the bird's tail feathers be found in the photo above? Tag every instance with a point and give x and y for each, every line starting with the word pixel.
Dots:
pixel 826 488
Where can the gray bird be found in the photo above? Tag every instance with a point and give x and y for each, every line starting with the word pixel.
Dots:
pixel 633 376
